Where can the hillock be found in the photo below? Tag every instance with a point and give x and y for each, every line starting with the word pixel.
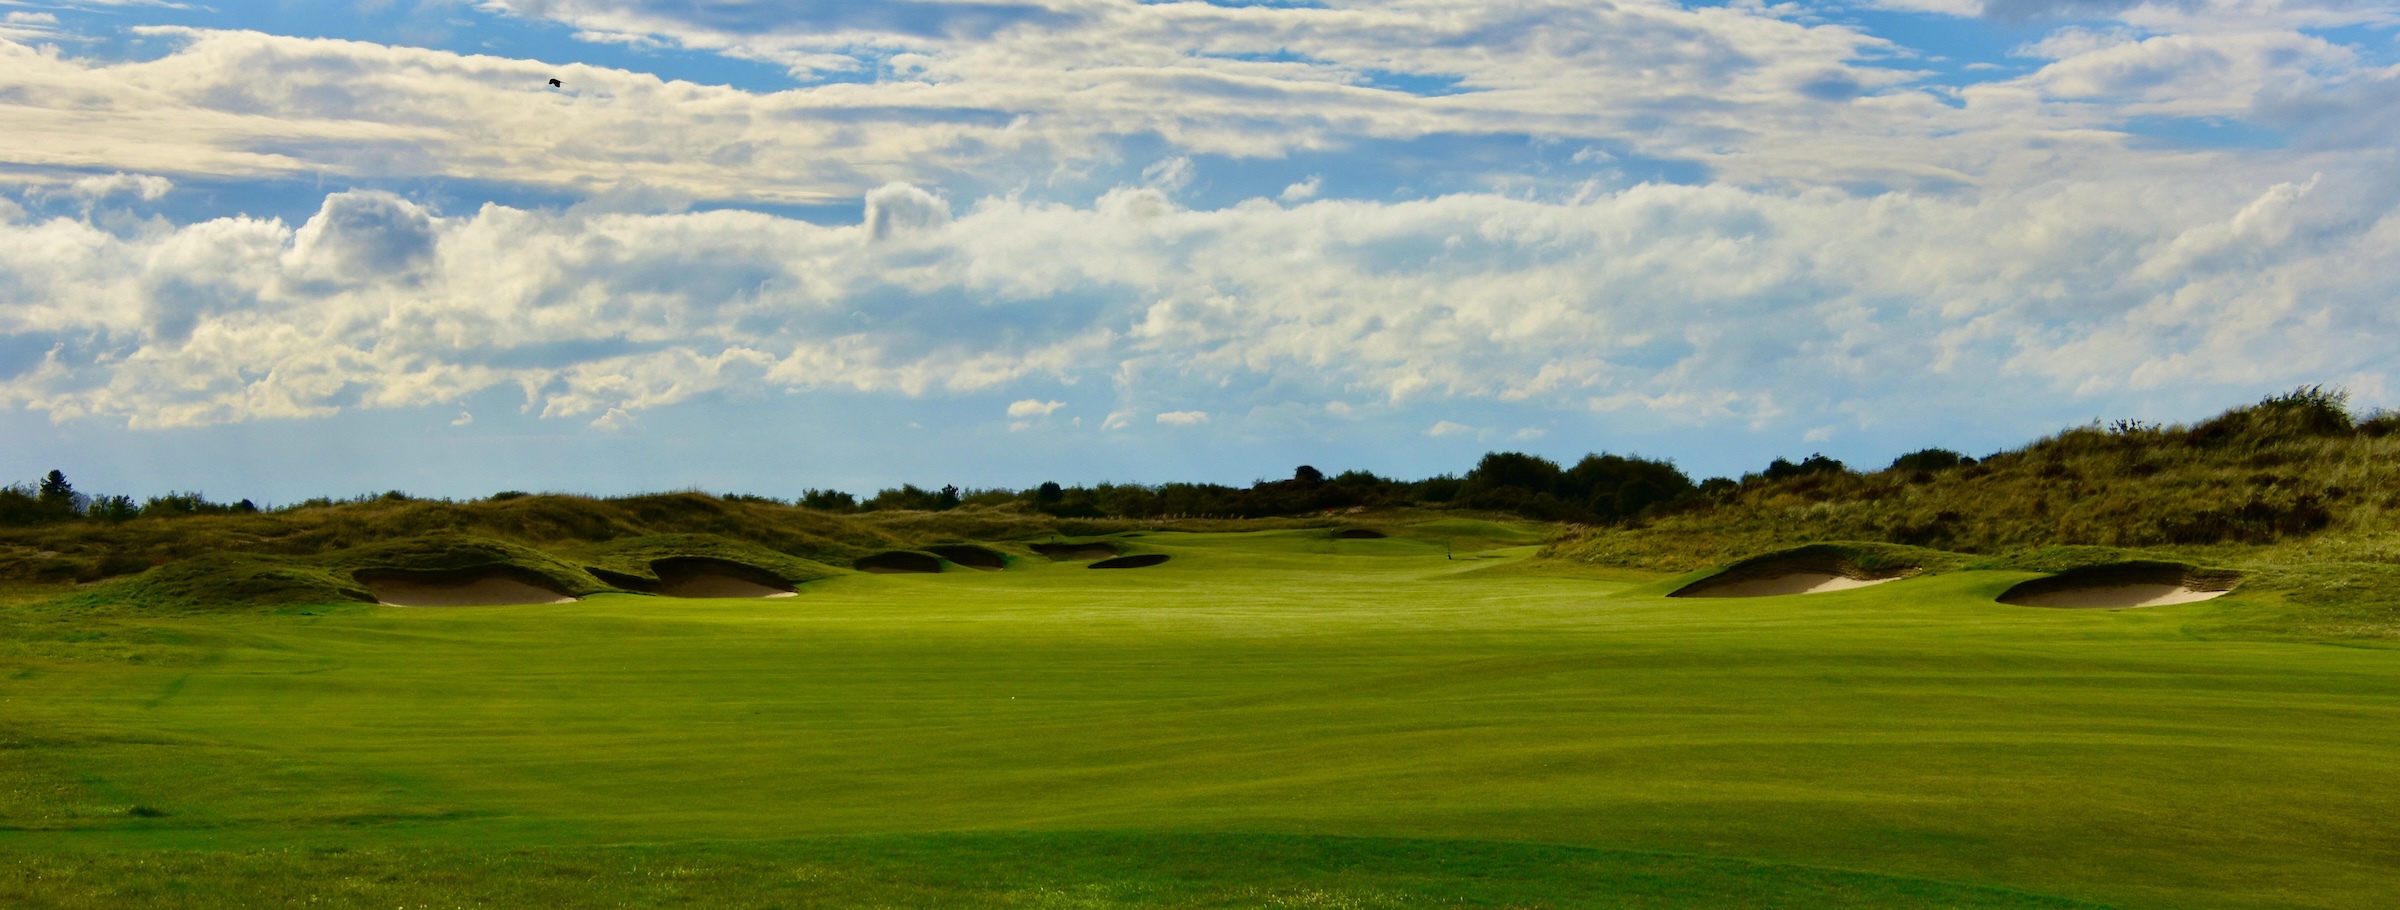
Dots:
pixel 2295 489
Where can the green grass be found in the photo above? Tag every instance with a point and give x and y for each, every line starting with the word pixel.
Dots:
pixel 1270 719
pixel 1029 870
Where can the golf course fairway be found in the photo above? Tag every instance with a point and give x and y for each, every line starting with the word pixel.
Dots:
pixel 1269 719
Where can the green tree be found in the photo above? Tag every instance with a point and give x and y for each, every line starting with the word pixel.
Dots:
pixel 56 491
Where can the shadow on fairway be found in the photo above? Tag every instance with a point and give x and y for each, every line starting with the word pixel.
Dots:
pixel 1136 561
pixel 900 562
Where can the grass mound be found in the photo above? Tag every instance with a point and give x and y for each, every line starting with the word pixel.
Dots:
pixel 1804 570
pixel 1136 561
pixel 971 556
pixel 1075 552
pixel 2124 584
pixel 1359 534
pixel 634 563
pixel 899 562
pixel 219 581
pixel 441 558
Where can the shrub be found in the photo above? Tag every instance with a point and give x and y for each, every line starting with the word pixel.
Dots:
pixel 1780 469
pixel 1929 460
pixel 828 500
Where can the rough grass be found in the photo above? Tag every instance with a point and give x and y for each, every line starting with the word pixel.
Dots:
pixel 278 551
pixel 2292 493
pixel 633 557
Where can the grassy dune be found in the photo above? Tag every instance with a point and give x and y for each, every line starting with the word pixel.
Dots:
pixel 1269 719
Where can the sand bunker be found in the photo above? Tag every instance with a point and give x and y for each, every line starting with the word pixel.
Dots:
pixel 1138 561
pixel 899 562
pixel 972 557
pixel 494 587
pixel 1777 586
pixel 1074 552
pixel 2120 585
pixel 698 576
pixel 1359 534
pixel 1808 570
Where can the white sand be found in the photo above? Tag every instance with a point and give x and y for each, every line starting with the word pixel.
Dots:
pixel 492 591
pixel 710 584
pixel 1779 585
pixel 2102 597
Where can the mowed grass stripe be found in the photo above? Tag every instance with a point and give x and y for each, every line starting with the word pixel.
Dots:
pixel 1257 684
pixel 1006 870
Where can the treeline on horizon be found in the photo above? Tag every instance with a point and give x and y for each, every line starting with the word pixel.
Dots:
pixel 1600 488
pixel 1597 489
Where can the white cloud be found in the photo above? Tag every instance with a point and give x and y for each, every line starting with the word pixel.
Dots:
pixel 1840 225
pixel 1690 304
pixel 2185 75
pixel 1033 407
pixel 899 208
pixel 1449 428
pixel 23 26
pixel 1182 418
pixel 1014 104
pixel 148 187
pixel 1945 7
pixel 362 236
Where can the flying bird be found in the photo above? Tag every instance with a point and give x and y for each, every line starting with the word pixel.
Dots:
pixel 557 84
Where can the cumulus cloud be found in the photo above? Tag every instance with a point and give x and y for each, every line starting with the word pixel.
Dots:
pixel 1449 428
pixel 360 236
pixel 1706 304
pixel 899 208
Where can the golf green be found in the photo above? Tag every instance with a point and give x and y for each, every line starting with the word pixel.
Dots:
pixel 1267 719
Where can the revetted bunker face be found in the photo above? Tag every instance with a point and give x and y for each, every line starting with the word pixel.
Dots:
pixel 972 557
pixel 700 577
pixel 1807 570
pixel 1359 534
pixel 2120 585
pixel 900 562
pixel 1074 552
pixel 495 586
pixel 1137 561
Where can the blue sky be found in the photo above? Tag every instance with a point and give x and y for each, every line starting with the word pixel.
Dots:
pixel 279 249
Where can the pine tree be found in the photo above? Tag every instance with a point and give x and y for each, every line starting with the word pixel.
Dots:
pixel 56 491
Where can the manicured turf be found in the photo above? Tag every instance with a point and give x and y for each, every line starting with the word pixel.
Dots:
pixel 1271 719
